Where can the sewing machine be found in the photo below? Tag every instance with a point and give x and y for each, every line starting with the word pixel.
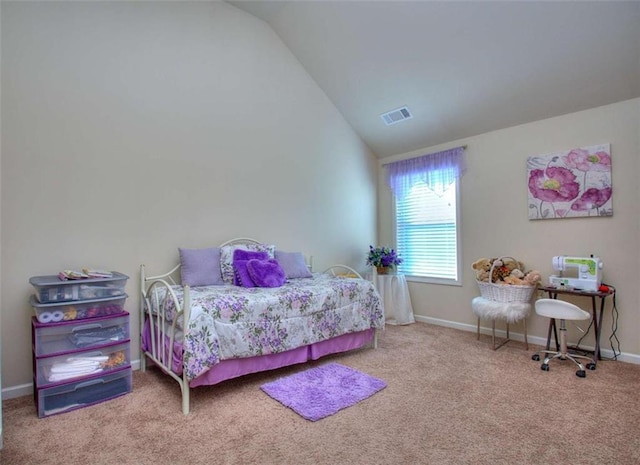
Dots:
pixel 587 275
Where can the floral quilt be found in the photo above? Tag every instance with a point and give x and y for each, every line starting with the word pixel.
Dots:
pixel 235 322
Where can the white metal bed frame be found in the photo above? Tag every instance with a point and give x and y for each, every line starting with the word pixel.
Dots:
pixel 159 329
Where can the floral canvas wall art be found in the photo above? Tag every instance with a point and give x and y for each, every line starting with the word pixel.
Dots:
pixel 569 184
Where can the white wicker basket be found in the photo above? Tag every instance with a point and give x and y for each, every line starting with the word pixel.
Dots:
pixel 505 292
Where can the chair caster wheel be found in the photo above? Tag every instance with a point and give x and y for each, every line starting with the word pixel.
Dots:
pixel 535 357
pixel 544 367
pixel 580 374
pixel 591 366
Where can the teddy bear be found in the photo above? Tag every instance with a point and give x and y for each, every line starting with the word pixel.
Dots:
pixel 514 281
pixel 510 264
pixel 500 270
pixel 507 270
pixel 533 277
pixel 515 278
pixel 518 278
pixel 482 267
pixel 517 273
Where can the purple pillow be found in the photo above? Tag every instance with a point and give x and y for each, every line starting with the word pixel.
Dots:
pixel 200 267
pixel 240 259
pixel 266 273
pixel 241 275
pixel 293 264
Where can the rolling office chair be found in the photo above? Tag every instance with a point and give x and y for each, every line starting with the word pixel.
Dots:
pixel 561 310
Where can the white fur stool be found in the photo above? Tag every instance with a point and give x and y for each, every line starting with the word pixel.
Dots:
pixel 510 312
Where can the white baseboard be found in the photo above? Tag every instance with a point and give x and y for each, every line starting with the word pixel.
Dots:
pixel 541 341
pixel 27 389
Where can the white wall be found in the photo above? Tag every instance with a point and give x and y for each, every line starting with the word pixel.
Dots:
pixel 495 218
pixel 134 128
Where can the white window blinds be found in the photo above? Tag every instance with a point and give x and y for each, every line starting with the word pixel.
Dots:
pixel 426 232
pixel 426 193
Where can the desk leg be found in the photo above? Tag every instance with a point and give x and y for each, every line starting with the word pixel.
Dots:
pixel 598 326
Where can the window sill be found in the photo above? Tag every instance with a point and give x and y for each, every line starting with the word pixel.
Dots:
pixel 427 280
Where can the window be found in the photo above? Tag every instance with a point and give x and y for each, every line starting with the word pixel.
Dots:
pixel 426 192
pixel 427 232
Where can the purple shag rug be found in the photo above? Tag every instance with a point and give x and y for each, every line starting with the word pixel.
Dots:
pixel 322 391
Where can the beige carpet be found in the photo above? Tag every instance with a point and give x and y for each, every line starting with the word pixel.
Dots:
pixel 450 399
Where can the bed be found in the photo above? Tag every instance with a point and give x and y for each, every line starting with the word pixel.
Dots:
pixel 203 332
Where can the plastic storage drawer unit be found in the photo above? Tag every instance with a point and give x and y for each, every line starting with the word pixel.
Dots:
pixel 83 393
pixel 72 336
pixel 53 313
pixel 51 289
pixel 65 368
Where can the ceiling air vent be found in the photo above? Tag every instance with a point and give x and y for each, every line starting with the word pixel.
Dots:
pixel 395 116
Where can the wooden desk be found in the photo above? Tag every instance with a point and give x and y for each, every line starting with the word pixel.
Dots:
pixel 596 316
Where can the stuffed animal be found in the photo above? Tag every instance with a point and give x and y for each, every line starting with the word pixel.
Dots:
pixel 533 277
pixel 517 273
pixel 511 265
pixel 506 267
pixel 505 271
pixel 518 278
pixel 500 270
pixel 482 267
pixel 515 281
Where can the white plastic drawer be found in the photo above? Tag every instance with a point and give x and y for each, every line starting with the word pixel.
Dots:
pixel 82 393
pixel 51 289
pixel 72 336
pixel 69 367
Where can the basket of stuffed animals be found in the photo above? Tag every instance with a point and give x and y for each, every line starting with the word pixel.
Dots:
pixel 504 280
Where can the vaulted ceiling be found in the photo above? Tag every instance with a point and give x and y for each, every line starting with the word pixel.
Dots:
pixel 462 68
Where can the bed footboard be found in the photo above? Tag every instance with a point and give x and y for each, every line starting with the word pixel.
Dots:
pixel 157 293
pixel 342 270
pixel 347 271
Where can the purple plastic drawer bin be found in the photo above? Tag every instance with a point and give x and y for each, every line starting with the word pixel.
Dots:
pixel 82 393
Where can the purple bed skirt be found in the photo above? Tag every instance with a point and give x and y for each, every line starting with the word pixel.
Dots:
pixel 232 368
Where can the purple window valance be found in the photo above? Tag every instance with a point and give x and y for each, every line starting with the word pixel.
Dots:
pixel 436 170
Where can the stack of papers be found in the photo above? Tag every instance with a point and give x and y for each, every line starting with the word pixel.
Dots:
pixel 93 273
pixel 84 274
pixel 72 274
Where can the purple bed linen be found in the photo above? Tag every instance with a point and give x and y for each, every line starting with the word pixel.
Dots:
pixel 233 368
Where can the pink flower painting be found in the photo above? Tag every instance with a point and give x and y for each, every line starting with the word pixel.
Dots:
pixel 575 183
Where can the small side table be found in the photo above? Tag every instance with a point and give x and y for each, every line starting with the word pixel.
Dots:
pixel 395 295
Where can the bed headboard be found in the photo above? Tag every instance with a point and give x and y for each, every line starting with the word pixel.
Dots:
pixel 240 240
pixel 173 275
pixel 247 240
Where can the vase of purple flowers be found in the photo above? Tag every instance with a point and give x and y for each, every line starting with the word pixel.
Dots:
pixel 384 259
